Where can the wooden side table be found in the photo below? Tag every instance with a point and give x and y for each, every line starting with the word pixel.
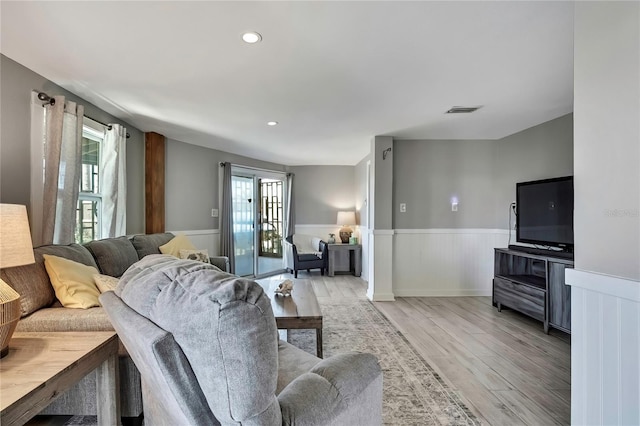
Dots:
pixel 355 257
pixel 41 366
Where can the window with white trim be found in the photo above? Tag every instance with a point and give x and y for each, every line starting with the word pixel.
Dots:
pixel 88 212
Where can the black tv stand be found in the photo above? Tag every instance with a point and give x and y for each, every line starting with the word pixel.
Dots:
pixel 542 252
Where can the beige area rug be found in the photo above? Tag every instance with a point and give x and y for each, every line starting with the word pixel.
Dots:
pixel 413 393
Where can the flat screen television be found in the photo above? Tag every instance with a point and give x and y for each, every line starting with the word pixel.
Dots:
pixel 545 212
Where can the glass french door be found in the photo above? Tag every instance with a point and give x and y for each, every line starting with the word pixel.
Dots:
pixel 258 223
pixel 243 224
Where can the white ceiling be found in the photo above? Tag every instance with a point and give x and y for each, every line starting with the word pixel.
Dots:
pixel 332 73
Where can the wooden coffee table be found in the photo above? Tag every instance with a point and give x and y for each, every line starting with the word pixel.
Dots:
pixel 41 366
pixel 298 311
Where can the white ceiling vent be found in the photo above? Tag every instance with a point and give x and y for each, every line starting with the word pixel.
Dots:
pixel 462 109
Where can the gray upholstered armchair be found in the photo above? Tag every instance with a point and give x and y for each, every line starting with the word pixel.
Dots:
pixel 206 345
pixel 305 252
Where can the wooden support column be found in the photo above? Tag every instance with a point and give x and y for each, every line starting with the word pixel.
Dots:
pixel 154 182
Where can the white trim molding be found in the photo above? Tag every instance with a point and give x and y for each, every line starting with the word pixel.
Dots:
pixel 317 225
pixel 383 231
pixel 197 232
pixel 453 231
pixel 604 284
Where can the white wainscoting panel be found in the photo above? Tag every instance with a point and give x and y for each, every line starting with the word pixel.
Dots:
pixel 204 239
pixel 320 231
pixel 605 349
pixel 364 238
pixel 380 287
pixel 445 262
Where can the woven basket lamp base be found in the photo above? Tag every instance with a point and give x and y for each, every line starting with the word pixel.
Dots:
pixel 9 315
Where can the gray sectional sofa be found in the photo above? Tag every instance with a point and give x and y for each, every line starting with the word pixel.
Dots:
pixel 42 312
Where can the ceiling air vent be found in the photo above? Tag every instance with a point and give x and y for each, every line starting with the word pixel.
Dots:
pixel 462 110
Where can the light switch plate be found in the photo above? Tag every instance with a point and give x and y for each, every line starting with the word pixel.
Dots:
pixel 403 207
pixel 214 212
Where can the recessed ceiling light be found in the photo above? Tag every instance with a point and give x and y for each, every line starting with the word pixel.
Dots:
pixel 272 123
pixel 251 37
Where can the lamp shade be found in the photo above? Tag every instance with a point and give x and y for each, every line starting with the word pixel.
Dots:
pixel 346 218
pixel 15 237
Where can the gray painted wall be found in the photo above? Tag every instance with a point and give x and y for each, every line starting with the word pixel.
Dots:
pixel 383 181
pixel 607 138
pixel 17 82
pixel 540 152
pixel 481 174
pixel 321 191
pixel 192 184
pixel 428 174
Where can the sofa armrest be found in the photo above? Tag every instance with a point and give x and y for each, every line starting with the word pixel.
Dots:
pixel 332 389
pixel 220 262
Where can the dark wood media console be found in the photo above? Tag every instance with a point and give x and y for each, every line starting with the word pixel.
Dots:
pixel 534 285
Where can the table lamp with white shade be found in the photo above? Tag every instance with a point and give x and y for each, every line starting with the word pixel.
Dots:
pixel 346 219
pixel 15 250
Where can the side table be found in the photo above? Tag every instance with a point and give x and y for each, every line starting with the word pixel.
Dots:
pixel 41 366
pixel 355 257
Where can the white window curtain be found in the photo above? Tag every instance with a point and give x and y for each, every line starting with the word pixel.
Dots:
pixel 290 214
pixel 113 164
pixel 62 150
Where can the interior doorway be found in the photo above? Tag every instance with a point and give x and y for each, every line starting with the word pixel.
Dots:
pixel 258 200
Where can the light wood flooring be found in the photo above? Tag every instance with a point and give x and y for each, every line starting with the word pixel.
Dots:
pixel 503 366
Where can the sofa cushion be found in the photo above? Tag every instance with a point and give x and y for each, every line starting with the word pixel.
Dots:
pixel 113 255
pixel 148 244
pixel 308 257
pixel 57 318
pixel 64 319
pixel 292 362
pixel 32 281
pixel 224 325
pixel 72 282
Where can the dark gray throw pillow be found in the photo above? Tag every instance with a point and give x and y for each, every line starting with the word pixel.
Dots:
pixel 113 255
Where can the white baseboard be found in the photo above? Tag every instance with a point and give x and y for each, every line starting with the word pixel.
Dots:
pixel 383 297
pixel 420 292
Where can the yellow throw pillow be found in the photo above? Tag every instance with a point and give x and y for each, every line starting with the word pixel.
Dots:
pixel 72 282
pixel 105 282
pixel 173 247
